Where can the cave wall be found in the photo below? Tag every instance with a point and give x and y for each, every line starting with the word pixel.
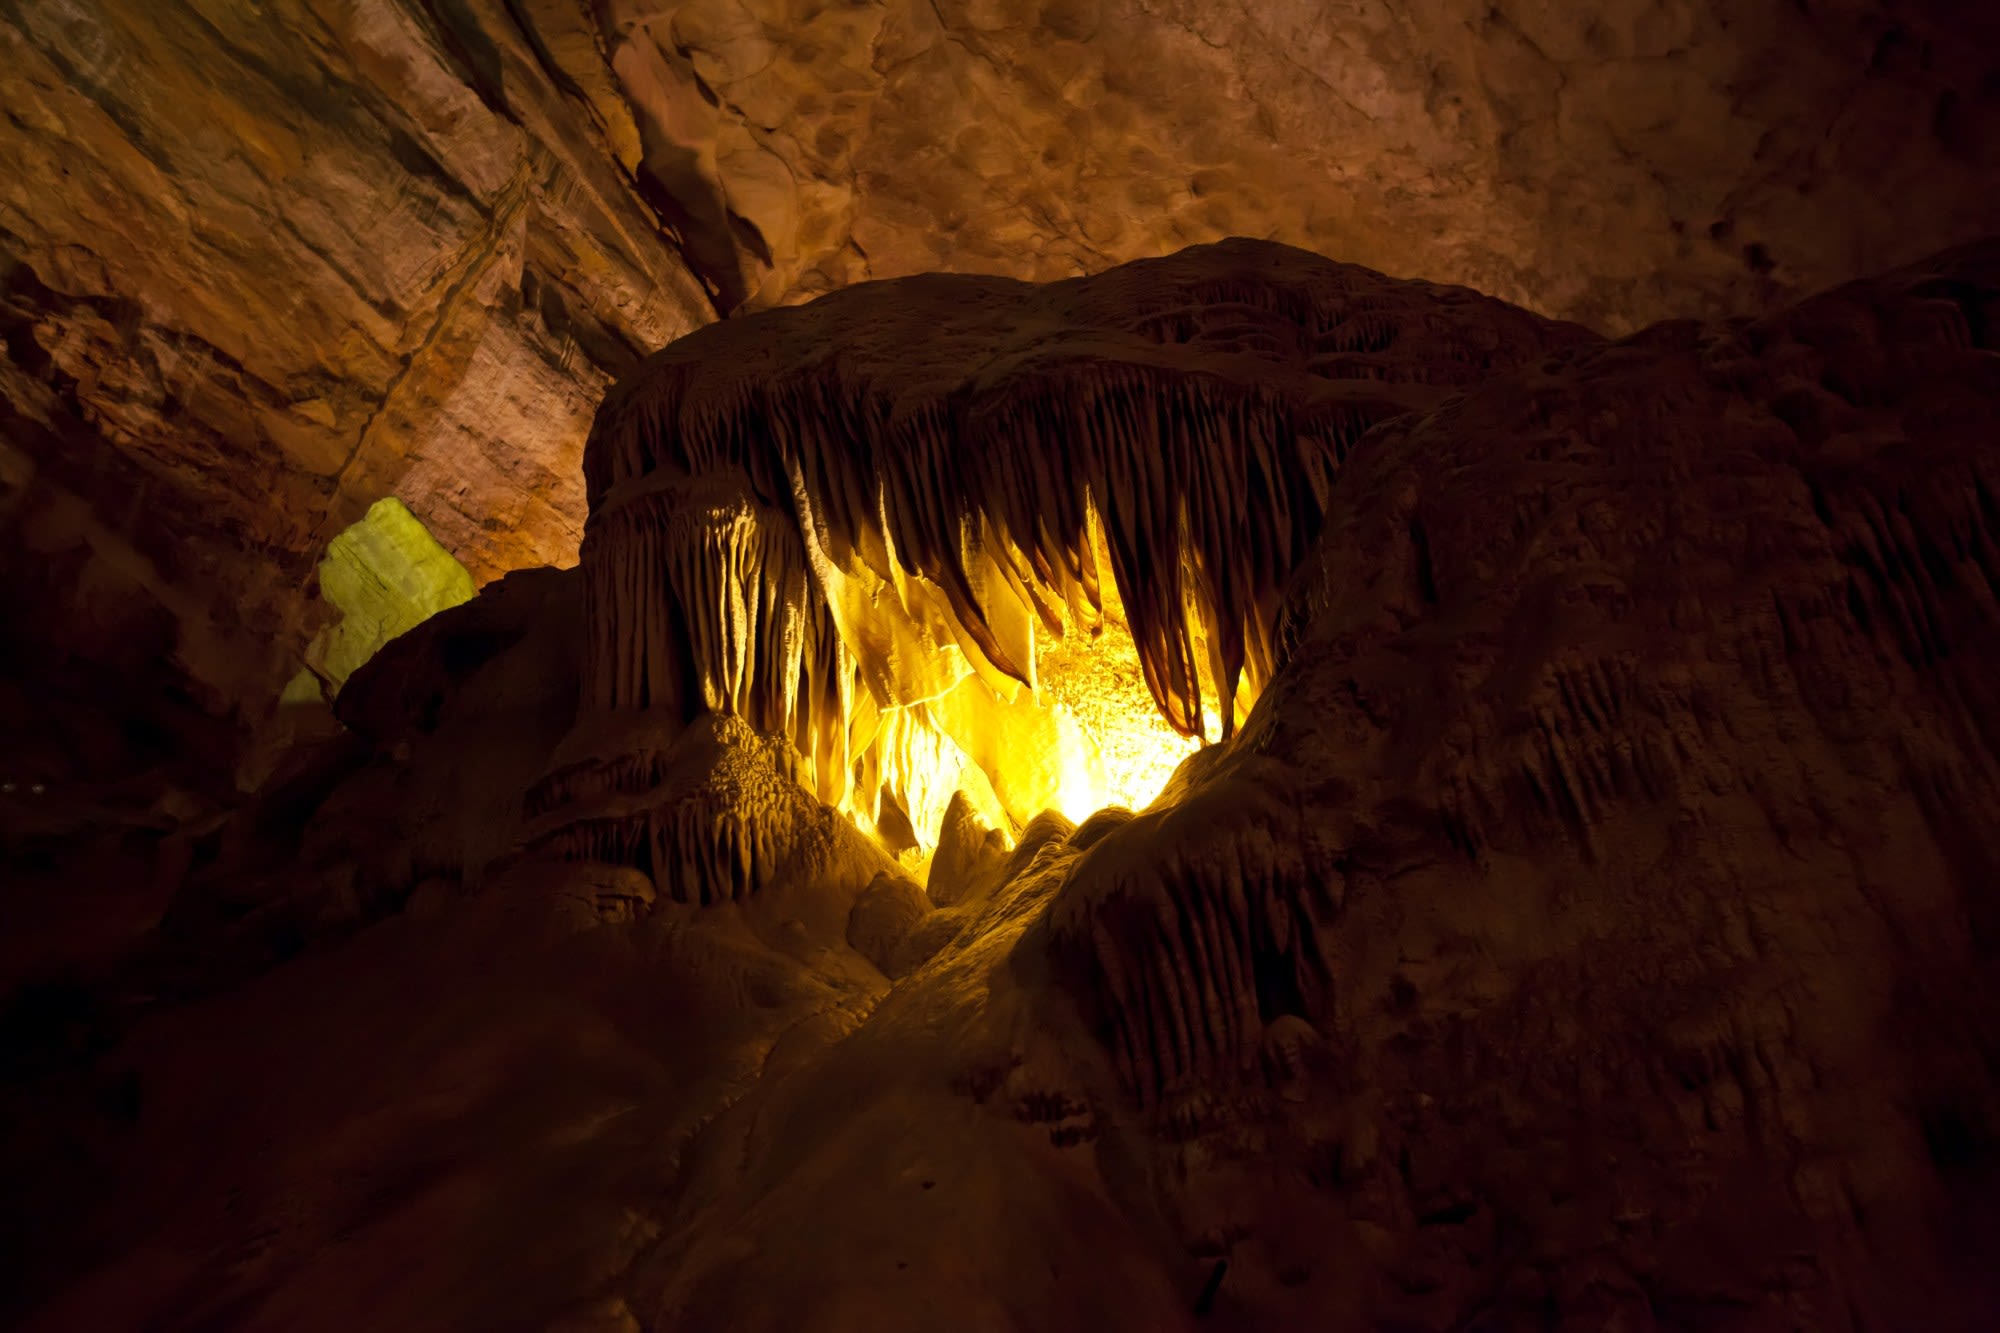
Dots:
pixel 265 264
pixel 1591 925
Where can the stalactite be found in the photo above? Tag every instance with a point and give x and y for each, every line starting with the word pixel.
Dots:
pixel 707 606
pixel 711 816
pixel 935 467
pixel 1198 926
pixel 847 523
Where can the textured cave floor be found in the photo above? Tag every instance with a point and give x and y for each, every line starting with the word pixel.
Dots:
pixel 559 1097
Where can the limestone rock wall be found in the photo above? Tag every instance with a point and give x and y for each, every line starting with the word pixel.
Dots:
pixel 1608 863
pixel 1605 163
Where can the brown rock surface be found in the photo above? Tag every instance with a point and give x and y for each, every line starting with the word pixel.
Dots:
pixel 265 265
pixel 1618 823
pixel 1610 164
pixel 1592 925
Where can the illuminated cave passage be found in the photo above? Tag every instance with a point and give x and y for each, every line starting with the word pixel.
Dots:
pixel 383 576
pixel 1557 883
pixel 893 694
pixel 1093 673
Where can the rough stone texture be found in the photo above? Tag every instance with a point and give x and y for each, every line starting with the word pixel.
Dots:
pixel 1617 826
pixel 267 263
pixel 1592 925
pixel 1611 163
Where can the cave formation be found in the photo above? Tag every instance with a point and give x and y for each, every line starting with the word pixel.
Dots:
pixel 865 526
pixel 1011 765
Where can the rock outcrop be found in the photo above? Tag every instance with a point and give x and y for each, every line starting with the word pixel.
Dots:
pixel 1606 871
pixel 1592 924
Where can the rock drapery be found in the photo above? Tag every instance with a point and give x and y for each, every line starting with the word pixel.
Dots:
pixel 850 524
pixel 1712 611
pixel 1591 924
pixel 264 266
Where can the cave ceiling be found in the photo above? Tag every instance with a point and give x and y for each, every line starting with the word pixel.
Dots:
pixel 266 264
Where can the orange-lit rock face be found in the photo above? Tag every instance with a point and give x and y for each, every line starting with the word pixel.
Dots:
pixel 266 266
pixel 264 269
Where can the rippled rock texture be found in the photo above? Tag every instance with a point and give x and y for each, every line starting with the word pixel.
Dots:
pixel 1591 923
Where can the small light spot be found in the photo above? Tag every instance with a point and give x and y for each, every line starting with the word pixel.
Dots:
pixel 38 789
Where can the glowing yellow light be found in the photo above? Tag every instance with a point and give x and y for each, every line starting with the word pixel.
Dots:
pixel 1087 735
pixel 385 574
pixel 1093 672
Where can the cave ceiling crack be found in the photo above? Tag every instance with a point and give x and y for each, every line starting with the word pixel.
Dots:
pixel 1171 21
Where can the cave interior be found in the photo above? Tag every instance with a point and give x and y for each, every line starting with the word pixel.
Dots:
pixel 1000 664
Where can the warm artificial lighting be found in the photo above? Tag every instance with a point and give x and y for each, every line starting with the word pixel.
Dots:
pixel 1087 736
pixel 1093 673
pixel 923 613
